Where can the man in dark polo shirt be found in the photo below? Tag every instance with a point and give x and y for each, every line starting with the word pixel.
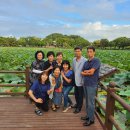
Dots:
pixel 90 73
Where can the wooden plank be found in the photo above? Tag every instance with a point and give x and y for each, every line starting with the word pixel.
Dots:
pixel 17 114
pixel 12 85
pixel 15 72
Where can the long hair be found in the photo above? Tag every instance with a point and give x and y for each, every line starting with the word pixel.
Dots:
pixel 40 77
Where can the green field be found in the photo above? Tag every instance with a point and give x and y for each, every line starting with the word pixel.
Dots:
pixel 16 58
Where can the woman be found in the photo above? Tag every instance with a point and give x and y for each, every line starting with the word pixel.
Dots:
pixel 56 86
pixel 59 58
pixel 50 63
pixel 68 77
pixel 39 91
pixel 37 66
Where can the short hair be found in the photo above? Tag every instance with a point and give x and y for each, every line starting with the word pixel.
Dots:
pixel 66 62
pixel 56 68
pixel 39 77
pixel 43 55
pixel 59 53
pixel 91 47
pixel 49 53
pixel 78 47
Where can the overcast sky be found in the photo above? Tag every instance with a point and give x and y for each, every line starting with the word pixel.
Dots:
pixel 91 19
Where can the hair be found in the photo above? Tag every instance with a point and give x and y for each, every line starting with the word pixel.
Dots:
pixel 59 53
pixel 56 68
pixel 91 47
pixel 43 55
pixel 49 53
pixel 66 62
pixel 40 79
pixel 78 47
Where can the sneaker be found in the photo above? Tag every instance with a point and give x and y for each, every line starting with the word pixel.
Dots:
pixel 66 109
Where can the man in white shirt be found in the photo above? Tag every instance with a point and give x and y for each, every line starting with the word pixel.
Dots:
pixel 77 66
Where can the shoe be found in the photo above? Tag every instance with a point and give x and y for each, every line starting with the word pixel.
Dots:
pixel 84 118
pixel 53 108
pixel 65 110
pixel 74 106
pixel 38 112
pixel 88 123
pixel 76 111
pixel 57 106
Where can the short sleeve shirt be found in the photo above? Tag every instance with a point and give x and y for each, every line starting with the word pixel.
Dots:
pixel 92 80
pixel 40 90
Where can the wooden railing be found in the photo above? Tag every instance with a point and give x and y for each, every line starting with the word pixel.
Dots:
pixel 26 72
pixel 110 107
pixel 108 110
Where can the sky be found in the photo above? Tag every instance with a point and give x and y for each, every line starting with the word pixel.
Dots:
pixel 91 19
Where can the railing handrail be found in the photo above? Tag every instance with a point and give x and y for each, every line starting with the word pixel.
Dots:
pixel 109 112
pixel 26 72
pixel 121 101
pixel 9 71
pixel 117 98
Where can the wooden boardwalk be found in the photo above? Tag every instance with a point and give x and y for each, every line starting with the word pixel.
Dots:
pixel 17 114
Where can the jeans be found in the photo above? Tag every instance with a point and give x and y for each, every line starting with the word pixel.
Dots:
pixel 57 98
pixel 66 90
pixel 79 96
pixel 90 93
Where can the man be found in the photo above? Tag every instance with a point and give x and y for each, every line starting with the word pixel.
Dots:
pixel 77 66
pixel 90 73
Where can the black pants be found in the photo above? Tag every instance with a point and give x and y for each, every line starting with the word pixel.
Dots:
pixel 79 96
pixel 44 106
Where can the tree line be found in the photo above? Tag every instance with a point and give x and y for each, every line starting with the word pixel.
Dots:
pixel 64 41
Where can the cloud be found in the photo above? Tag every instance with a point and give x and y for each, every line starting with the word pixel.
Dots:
pixel 92 19
pixel 97 30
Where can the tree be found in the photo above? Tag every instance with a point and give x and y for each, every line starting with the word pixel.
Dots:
pixel 122 42
pixel 104 43
pixel 96 43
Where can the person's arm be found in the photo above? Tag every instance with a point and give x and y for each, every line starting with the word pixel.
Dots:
pixel 91 71
pixel 65 78
pixel 88 72
pixel 49 90
pixel 37 71
pixel 39 100
pixel 50 68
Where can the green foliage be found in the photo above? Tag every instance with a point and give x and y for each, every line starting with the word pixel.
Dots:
pixel 104 43
pixel 122 42
pixel 118 43
pixel 55 39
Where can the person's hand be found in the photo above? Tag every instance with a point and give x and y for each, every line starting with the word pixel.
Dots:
pixel 51 67
pixel 50 91
pixel 62 73
pixel 82 73
pixel 53 80
pixel 85 71
pixel 39 100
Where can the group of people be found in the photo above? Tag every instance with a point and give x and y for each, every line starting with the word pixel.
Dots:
pixel 52 80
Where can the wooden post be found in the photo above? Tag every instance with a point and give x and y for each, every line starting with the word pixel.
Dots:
pixel 110 105
pixel 27 79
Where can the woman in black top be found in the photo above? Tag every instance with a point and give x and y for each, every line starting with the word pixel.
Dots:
pixel 37 66
pixel 50 63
